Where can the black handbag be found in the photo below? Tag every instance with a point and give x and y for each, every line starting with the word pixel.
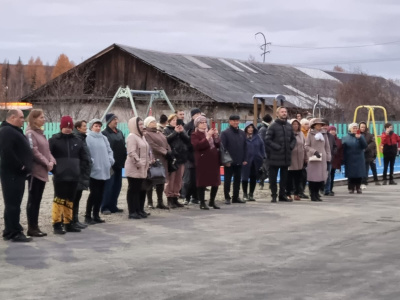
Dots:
pixel 156 171
pixel 224 155
pixel 172 166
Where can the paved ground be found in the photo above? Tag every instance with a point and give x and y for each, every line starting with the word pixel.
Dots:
pixel 343 248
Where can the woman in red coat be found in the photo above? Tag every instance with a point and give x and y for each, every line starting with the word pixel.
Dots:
pixel 206 144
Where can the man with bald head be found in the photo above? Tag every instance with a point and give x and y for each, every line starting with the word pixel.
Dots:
pixel 15 165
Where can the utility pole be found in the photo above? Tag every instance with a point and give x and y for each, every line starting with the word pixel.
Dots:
pixel 263 47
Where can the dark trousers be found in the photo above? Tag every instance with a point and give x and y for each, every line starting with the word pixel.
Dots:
pixel 95 197
pixel 36 188
pixel 77 199
pixel 253 180
pixel 201 193
pixel 112 188
pixel 303 179
pixel 369 164
pixel 190 184
pixel 294 182
pixel 234 171
pixel 159 192
pixel 13 190
pixel 354 183
pixel 315 186
pixel 386 161
pixel 273 178
pixel 327 187
pixel 333 172
pixel 135 196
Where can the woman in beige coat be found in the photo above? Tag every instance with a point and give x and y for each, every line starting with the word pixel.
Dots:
pixel 136 166
pixel 318 153
pixel 299 159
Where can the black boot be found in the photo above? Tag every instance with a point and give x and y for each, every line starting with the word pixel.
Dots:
pixel 150 198
pixel 313 196
pixel 70 227
pixel 78 224
pixel 58 228
pixel 392 182
pixel 89 221
pixel 97 219
pixel 159 191
pixel 171 203
pixel 251 197
pixel 176 202
pixel 33 230
pixel 273 198
pixel 203 205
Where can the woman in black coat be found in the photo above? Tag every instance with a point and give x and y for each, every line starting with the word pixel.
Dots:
pixel 179 142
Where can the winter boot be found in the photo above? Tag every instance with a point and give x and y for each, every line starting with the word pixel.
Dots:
pixel 392 182
pixel 313 196
pixel 245 196
pixel 33 230
pixel 358 189
pixel 97 219
pixel 78 224
pixel 70 227
pixel 58 228
pixel 384 182
pixel 273 198
pixel 171 203
pixel 251 197
pixel 177 203
pixel 89 221
pixel 150 198
pixel 203 205
pixel 160 204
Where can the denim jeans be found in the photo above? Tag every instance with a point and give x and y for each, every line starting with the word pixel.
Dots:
pixel 328 180
pixel 112 188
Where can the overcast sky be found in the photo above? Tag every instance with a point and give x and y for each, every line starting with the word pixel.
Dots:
pixel 222 28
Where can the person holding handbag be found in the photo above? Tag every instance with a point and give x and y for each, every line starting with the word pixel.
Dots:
pixel 318 153
pixel 136 166
pixel 161 151
pixel 206 144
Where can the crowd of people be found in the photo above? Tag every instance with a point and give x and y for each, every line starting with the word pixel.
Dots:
pixel 177 160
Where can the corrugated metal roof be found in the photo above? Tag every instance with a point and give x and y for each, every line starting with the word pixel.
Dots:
pixel 235 81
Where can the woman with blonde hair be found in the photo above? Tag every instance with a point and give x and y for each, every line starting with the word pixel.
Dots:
pixel 43 162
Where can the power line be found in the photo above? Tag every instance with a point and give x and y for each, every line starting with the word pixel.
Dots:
pixel 349 62
pixel 334 47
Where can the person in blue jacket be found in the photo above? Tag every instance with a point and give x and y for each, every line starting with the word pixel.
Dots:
pixel 254 157
pixel 354 145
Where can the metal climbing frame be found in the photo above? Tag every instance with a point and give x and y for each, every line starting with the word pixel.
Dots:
pixel 127 93
pixel 371 116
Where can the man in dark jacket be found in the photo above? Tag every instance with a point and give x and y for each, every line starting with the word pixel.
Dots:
pixel 71 160
pixel 113 185
pixel 279 142
pixel 333 147
pixel 83 184
pixel 370 155
pixel 233 140
pixel 15 164
pixel 189 177
pixel 267 119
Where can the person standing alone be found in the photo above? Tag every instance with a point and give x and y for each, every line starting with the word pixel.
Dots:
pixel 280 141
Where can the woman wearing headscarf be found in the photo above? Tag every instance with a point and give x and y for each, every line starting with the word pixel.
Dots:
pixel 305 127
pixel 206 144
pixel 299 159
pixel 103 158
pixel 160 150
pixel 179 142
pixel 354 145
pixel 337 157
pixel 318 153
pixel 254 156
pixel 43 162
pixel 136 167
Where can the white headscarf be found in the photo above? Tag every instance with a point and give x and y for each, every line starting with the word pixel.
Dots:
pixel 319 137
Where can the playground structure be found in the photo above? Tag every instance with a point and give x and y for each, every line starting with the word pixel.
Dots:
pixel 262 97
pixel 371 117
pixel 127 93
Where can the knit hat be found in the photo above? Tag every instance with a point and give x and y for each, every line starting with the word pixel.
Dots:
pixel 195 111
pixel 234 118
pixel 331 128
pixel 198 120
pixel 110 117
pixel 148 120
pixel 94 121
pixel 352 125
pixel 66 122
